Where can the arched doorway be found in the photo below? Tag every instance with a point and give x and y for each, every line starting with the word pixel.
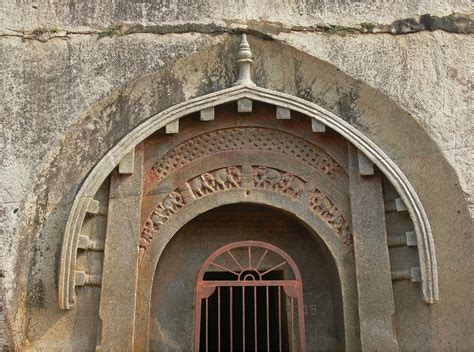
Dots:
pixel 174 307
pixel 254 301
pixel 255 146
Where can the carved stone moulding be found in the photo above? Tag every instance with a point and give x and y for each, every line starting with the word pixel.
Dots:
pixel 300 209
pixel 103 168
pixel 245 177
pixel 247 139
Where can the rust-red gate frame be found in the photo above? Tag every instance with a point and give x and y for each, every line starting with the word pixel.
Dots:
pixel 248 276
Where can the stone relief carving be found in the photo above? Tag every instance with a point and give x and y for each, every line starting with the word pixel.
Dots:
pixel 222 179
pixel 282 182
pixel 329 212
pixel 67 264
pixel 245 176
pixel 197 187
pixel 245 138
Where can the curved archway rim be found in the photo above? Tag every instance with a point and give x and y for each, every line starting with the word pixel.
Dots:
pixel 241 244
pixel 428 267
pixel 336 250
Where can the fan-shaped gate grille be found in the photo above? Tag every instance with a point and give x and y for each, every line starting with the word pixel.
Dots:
pixel 249 297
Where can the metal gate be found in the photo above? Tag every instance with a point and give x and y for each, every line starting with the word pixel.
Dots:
pixel 249 297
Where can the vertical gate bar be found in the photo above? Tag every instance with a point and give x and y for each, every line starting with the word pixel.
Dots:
pixel 218 318
pixel 292 325
pixel 250 257
pixel 197 325
pixel 255 316
pixel 207 325
pixel 268 320
pixel 231 319
pixel 301 321
pixel 279 316
pixel 243 318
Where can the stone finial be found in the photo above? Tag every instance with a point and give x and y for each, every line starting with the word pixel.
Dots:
pixel 244 58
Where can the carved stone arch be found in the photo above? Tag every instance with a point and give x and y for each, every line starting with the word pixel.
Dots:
pixel 341 253
pixel 255 157
pixel 258 154
pixel 171 116
pixel 325 194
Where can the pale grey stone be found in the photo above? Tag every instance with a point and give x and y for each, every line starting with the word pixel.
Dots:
pixel 172 127
pixel 366 167
pixel 120 268
pixel 127 165
pixel 70 97
pixel 283 113
pixel 317 126
pixel 374 286
pixel 244 105
pixel 207 114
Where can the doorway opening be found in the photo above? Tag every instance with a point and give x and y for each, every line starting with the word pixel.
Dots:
pixel 174 310
pixel 256 308
pixel 231 320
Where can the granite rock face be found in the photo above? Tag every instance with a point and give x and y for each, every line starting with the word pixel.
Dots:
pixel 77 78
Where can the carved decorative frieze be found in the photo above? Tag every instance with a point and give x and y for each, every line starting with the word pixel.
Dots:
pixel 210 182
pixel 248 177
pixel 249 139
pixel 69 251
pixel 282 182
pixel 197 187
pixel 323 206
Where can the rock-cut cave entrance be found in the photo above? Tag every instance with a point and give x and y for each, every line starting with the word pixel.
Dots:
pixel 229 311
pixel 203 297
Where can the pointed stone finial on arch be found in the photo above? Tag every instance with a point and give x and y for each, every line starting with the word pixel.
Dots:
pixel 244 59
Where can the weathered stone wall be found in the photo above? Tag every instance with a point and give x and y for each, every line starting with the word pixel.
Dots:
pixel 77 77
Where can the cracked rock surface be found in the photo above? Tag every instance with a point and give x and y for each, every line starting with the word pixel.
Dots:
pixel 73 70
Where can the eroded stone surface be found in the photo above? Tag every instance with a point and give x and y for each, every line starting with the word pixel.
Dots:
pixel 69 97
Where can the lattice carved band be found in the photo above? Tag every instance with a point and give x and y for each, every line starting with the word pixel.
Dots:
pixel 249 139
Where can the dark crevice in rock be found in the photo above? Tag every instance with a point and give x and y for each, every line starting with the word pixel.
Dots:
pixel 454 23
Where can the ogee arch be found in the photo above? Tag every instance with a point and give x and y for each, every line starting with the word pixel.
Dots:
pixel 66 283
